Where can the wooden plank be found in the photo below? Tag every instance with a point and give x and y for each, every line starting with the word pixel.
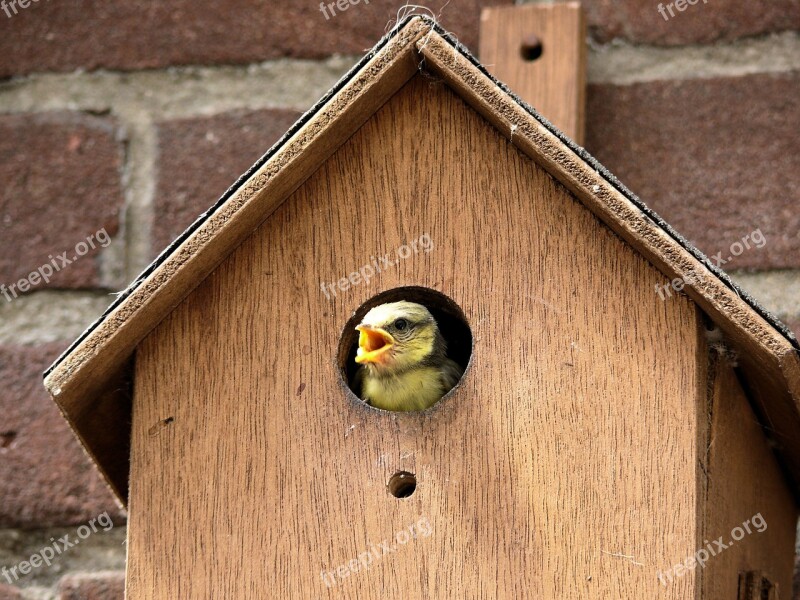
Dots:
pixel 769 360
pixel 563 466
pixel 555 82
pixel 746 489
pixel 91 368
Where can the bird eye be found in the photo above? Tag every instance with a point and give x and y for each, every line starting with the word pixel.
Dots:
pixel 400 324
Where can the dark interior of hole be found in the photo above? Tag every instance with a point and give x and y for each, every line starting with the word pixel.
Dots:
pixel 402 485
pixel 7 438
pixel 531 51
pixel 707 322
pixel 448 316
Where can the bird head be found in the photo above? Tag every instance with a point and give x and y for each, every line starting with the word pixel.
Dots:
pixel 396 336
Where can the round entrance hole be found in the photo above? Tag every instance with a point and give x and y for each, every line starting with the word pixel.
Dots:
pixel 449 318
pixel 531 48
pixel 402 484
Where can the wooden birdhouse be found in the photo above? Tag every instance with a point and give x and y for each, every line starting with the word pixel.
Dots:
pixel 606 440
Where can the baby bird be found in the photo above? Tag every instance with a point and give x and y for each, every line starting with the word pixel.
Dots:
pixel 403 358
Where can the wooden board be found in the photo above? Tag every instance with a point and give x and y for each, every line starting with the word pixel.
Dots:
pixel 744 481
pixel 768 359
pixel 564 466
pixel 555 82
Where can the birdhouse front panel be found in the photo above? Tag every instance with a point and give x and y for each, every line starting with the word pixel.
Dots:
pixel 564 464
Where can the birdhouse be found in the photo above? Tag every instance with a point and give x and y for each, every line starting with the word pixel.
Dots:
pixel 625 419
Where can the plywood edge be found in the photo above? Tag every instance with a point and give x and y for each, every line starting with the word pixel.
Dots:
pixel 771 351
pixel 87 368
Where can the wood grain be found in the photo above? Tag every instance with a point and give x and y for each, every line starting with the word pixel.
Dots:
pixel 768 359
pixel 96 363
pixel 744 480
pixel 563 466
pixel 555 83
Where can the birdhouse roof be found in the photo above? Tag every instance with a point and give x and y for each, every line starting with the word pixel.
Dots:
pixel 86 380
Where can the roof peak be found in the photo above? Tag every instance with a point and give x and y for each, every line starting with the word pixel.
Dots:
pixel 417 43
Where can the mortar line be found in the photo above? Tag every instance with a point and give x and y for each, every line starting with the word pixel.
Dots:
pixel 185 92
pixel 623 63
pixel 139 185
pixel 178 92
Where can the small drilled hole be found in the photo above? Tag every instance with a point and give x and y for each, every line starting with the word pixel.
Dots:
pixel 7 438
pixel 402 484
pixel 531 48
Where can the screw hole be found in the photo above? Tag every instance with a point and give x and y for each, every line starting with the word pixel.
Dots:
pixel 531 48
pixel 7 439
pixel 402 484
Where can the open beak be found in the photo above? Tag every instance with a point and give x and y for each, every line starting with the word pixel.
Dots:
pixel 373 343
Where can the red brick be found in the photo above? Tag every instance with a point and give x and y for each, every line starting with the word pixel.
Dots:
pixel 9 593
pixel 59 184
pixel 108 585
pixel 639 21
pixel 717 158
pixel 115 34
pixel 47 479
pixel 201 158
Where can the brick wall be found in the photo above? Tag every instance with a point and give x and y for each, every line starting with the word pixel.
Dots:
pixel 121 121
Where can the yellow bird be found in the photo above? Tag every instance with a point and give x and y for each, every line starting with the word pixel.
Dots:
pixel 403 358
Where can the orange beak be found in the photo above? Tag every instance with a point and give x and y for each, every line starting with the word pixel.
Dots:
pixel 373 343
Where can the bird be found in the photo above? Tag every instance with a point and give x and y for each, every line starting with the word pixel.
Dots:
pixel 403 358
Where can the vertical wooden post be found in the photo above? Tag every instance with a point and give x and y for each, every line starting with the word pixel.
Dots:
pixel 539 51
